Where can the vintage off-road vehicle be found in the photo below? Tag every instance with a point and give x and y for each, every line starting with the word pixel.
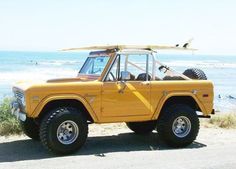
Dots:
pixel 115 84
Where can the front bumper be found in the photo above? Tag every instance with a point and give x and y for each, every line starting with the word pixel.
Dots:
pixel 16 109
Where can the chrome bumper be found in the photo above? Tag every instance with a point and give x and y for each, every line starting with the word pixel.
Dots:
pixel 16 109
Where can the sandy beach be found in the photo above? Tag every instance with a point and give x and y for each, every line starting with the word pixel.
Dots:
pixel 115 146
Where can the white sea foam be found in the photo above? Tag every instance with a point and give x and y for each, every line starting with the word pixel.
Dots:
pixel 225 105
pixel 59 62
pixel 195 63
pixel 40 74
pixel 201 64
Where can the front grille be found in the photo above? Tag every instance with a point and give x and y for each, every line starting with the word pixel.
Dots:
pixel 19 95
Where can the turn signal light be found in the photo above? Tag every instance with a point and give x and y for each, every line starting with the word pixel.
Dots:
pixel 205 95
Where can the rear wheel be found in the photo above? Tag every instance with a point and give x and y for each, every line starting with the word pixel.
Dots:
pixel 178 125
pixel 30 128
pixel 142 127
pixel 64 130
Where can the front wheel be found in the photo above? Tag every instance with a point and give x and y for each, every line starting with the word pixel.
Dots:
pixel 64 130
pixel 178 125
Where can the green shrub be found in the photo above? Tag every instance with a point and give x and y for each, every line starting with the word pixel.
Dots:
pixel 224 120
pixel 8 123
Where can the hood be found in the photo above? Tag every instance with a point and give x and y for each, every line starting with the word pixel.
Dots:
pixel 24 85
pixel 61 80
pixel 76 79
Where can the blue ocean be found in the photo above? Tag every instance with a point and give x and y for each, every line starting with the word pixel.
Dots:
pixel 18 66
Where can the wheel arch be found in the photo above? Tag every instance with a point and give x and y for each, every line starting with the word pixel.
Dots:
pixel 179 98
pixel 64 100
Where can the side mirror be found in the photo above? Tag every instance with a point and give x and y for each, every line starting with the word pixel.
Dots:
pixel 125 75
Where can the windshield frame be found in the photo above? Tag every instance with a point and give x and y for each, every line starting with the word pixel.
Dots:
pixel 110 55
pixel 88 64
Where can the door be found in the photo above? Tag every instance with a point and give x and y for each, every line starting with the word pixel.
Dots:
pixel 126 98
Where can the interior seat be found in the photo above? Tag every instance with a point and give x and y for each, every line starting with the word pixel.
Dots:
pixel 142 77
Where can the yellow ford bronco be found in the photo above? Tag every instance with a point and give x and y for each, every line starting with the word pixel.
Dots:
pixel 115 84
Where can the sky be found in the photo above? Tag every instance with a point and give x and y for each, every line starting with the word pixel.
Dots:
pixel 51 25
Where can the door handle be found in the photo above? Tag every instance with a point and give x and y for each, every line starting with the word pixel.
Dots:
pixel 122 85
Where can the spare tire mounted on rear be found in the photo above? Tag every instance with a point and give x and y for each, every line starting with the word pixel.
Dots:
pixel 192 73
pixel 195 73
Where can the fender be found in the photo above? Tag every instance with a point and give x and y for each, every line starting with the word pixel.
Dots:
pixel 50 98
pixel 169 95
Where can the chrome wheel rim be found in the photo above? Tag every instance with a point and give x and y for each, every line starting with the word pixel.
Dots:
pixel 67 132
pixel 181 126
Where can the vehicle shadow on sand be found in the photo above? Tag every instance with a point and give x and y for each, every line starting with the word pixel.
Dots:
pixel 28 149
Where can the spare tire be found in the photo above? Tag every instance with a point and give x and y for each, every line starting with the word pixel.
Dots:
pixel 173 78
pixel 195 73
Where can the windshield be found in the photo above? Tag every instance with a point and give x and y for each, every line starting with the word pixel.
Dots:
pixel 94 65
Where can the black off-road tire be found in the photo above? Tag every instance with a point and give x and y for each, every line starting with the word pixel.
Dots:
pixel 173 78
pixel 142 127
pixel 30 128
pixel 195 73
pixel 51 123
pixel 167 120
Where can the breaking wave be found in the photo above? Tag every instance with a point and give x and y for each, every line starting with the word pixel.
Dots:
pixel 200 64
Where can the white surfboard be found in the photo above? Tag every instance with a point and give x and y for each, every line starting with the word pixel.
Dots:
pixel 121 47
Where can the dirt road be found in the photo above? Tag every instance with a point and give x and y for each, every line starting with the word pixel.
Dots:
pixel 120 148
